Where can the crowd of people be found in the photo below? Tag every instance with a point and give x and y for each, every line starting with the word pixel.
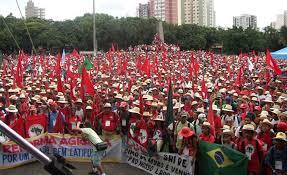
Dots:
pixel 236 101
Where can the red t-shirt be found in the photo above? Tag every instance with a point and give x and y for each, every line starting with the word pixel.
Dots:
pixel 266 138
pixel 217 123
pixel 207 138
pixel 252 151
pixel 73 120
pixel 110 122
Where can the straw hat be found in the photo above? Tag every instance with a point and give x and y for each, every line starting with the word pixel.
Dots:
pixel 276 111
pixel 268 100
pixel 178 105
pixel 22 96
pixel 12 109
pixel 225 127
pixel 147 114
pixel 248 127
pixel 206 124
pixel 215 108
pixel 135 110
pixel 227 108
pixel 186 132
pixel 200 110
pixel 79 100
pixel 59 94
pixel 154 104
pixel 227 132
pixel 281 136
pixel 62 100
pixel 266 121
pixel 119 96
pixel 107 105
pixel 89 108
pixel 194 103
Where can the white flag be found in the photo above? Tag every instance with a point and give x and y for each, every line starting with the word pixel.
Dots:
pixel 250 65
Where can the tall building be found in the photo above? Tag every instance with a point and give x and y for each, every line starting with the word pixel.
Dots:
pixel 200 12
pixel 143 10
pixel 281 20
pixel 285 18
pixel 32 11
pixel 245 21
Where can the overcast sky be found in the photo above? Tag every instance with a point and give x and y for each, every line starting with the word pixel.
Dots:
pixel 265 10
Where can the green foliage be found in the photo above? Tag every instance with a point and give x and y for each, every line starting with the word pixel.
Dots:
pixel 131 31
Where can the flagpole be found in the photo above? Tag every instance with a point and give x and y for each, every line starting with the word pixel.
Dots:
pixel 94 28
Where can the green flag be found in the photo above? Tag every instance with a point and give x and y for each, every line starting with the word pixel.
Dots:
pixel 169 115
pixel 87 63
pixel 169 118
pixel 214 159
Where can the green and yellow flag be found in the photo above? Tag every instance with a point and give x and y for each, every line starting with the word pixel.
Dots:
pixel 87 63
pixel 214 159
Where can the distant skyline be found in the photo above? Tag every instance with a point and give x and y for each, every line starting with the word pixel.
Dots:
pixel 265 10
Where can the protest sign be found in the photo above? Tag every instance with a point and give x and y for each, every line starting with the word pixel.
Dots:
pixel 163 164
pixel 73 148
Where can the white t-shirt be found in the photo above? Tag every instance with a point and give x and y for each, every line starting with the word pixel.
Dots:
pixel 80 113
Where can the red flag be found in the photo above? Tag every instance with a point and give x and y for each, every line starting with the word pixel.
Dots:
pixel 72 85
pixel 272 63
pixel 211 58
pixel 18 126
pixel 60 87
pixel 204 89
pixel 60 123
pixel 239 77
pixel 19 72
pixel 146 67
pixel 35 125
pixel 210 117
pixel 86 84
pixel 75 53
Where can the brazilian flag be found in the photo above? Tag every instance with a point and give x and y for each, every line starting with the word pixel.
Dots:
pixel 214 159
pixel 87 63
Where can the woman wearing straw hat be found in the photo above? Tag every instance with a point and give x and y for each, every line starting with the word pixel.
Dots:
pixel 277 155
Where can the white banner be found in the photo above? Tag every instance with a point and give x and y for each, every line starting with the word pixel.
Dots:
pixel 73 148
pixel 163 164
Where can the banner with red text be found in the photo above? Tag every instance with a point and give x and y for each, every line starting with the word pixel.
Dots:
pixel 73 148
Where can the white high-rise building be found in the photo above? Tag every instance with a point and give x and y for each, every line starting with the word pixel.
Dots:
pixel 281 20
pixel 245 21
pixel 200 12
pixel 203 13
pixel 143 10
pixel 32 11
pixel 159 9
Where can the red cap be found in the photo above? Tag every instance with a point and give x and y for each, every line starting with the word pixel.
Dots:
pixel 282 126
